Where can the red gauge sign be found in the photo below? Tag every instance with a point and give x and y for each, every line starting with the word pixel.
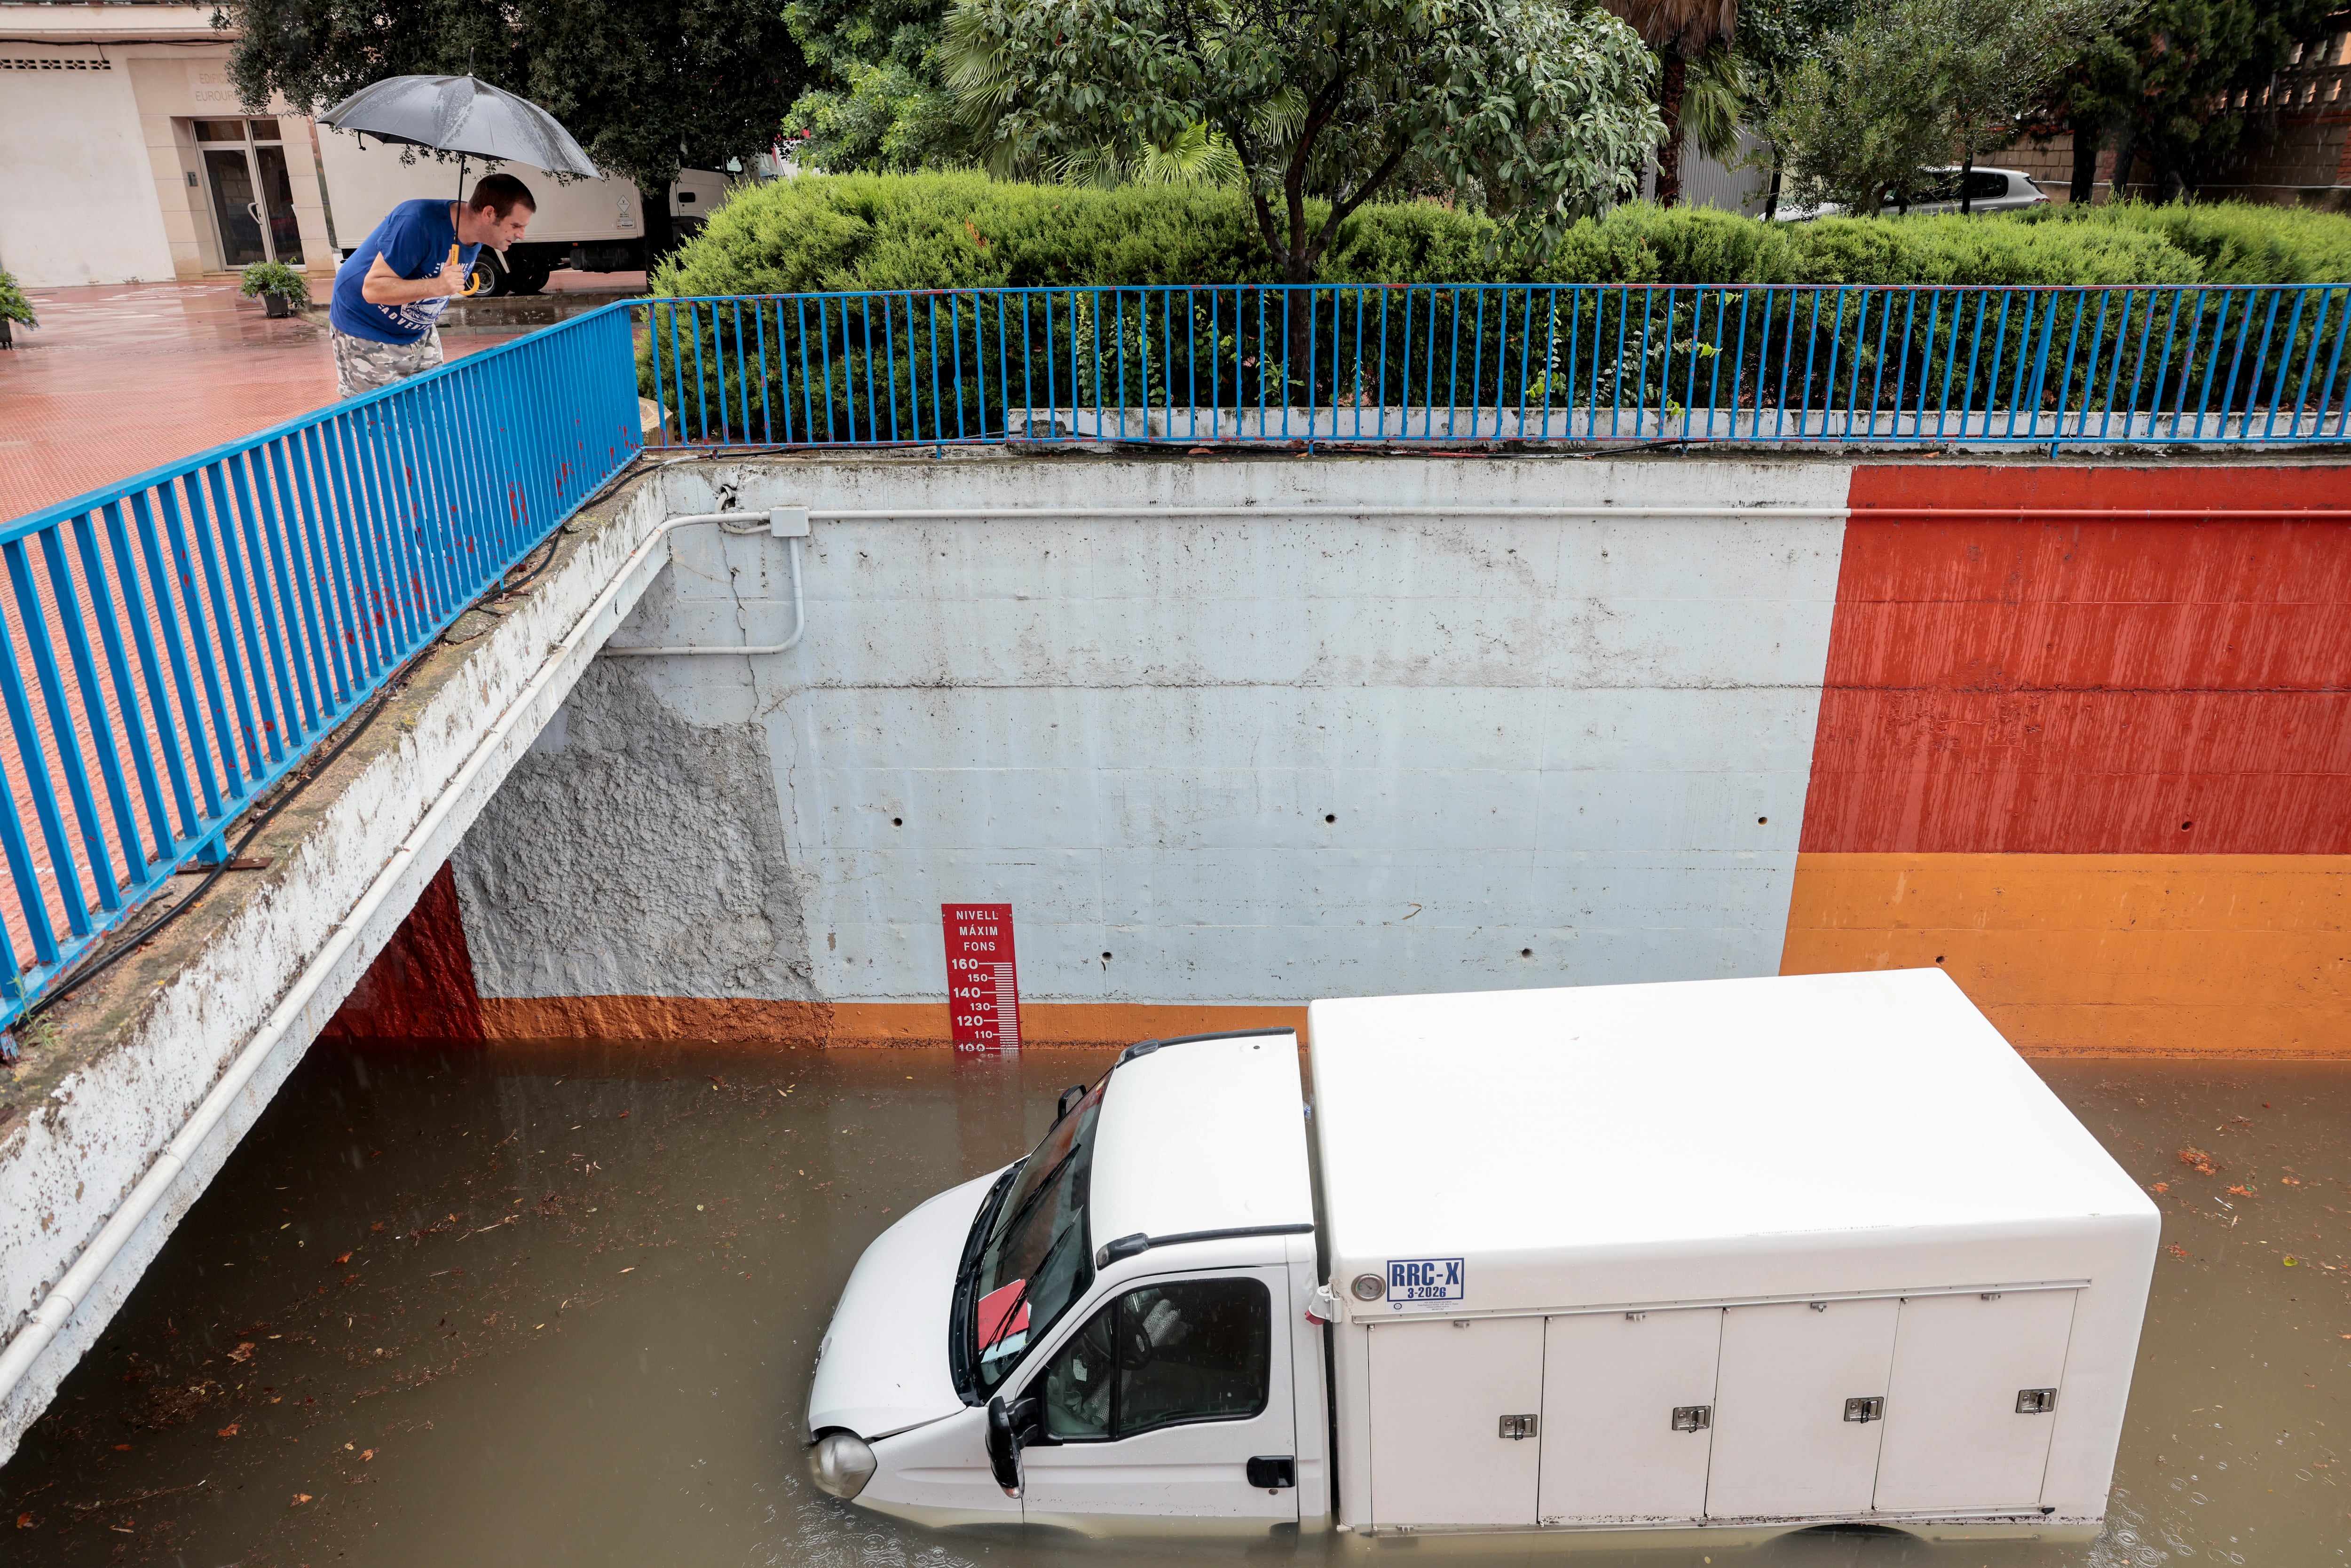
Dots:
pixel 983 989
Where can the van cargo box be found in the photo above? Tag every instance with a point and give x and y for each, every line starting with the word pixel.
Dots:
pixel 1728 1252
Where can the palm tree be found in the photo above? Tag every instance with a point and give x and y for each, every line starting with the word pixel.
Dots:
pixel 1678 30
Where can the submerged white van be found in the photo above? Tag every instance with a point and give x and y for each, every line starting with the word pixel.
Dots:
pixel 1733 1254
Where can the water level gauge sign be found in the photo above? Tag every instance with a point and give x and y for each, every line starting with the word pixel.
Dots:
pixel 983 980
pixel 1424 1280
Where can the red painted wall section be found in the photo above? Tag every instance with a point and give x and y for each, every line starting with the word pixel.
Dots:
pixel 2080 685
pixel 421 987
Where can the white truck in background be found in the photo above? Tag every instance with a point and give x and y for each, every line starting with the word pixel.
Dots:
pixel 589 225
pixel 1745 1256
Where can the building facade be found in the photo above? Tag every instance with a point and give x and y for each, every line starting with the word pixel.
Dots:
pixel 2296 150
pixel 126 157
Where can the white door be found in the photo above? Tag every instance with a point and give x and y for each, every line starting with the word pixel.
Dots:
pixel 1628 1415
pixel 1445 1397
pixel 1158 1401
pixel 1968 1413
pixel 1794 1433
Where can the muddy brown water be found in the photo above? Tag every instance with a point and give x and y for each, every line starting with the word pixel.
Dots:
pixel 560 1303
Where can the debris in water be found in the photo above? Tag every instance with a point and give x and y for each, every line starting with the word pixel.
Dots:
pixel 2200 1162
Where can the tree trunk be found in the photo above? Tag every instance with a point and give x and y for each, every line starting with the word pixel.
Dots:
pixel 1967 181
pixel 2125 154
pixel 2087 136
pixel 1669 151
pixel 1772 198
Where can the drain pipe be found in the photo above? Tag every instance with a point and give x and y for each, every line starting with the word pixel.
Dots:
pixel 57 1309
pixel 789 524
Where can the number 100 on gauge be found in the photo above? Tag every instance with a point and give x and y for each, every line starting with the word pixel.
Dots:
pixel 983 987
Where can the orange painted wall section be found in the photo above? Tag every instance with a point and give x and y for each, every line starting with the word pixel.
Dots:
pixel 421 987
pixel 2098 768
pixel 2088 686
pixel 2102 955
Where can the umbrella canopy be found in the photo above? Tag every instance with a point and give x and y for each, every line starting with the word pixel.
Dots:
pixel 461 114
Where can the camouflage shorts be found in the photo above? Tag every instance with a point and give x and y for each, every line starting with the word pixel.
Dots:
pixel 364 365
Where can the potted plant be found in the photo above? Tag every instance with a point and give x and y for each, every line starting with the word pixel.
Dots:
pixel 283 290
pixel 13 308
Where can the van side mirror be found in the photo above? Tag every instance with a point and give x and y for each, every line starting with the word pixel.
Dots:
pixel 1010 1429
pixel 1070 1099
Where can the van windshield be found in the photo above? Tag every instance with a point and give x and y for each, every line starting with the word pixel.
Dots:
pixel 1035 1261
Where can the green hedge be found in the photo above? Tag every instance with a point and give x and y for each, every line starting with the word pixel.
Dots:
pixel 894 363
pixel 824 234
pixel 2232 242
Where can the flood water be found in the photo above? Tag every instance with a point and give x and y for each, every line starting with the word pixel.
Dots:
pixel 560 1304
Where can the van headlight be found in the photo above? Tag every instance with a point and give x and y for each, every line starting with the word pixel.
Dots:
pixel 841 1463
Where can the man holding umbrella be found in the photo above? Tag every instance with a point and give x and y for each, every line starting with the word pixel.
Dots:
pixel 390 295
pixel 384 319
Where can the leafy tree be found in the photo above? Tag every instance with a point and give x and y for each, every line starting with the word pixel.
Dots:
pixel 1997 67
pixel 1543 106
pixel 648 87
pixel 1775 38
pixel 1680 31
pixel 877 102
pixel 2165 79
pixel 1916 83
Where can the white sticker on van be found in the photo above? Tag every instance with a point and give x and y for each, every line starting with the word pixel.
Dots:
pixel 1424 1280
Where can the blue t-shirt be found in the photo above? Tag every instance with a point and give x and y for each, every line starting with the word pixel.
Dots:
pixel 413 239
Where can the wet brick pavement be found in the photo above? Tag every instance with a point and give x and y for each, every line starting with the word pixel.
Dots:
pixel 119 377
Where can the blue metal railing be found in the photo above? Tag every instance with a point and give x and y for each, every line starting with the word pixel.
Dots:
pixel 1438 363
pixel 177 643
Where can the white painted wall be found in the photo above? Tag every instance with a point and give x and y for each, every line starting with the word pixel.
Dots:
pixel 76 189
pixel 1585 737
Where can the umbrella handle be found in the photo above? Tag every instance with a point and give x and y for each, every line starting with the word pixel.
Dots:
pixel 472 286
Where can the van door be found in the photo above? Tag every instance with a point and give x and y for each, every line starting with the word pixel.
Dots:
pixel 1455 1421
pixel 1160 1400
pixel 1628 1415
pixel 1800 1403
pixel 1973 1400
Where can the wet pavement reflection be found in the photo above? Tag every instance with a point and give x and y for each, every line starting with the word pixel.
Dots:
pixel 560 1303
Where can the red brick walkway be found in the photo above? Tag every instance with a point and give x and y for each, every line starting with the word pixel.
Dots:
pixel 119 378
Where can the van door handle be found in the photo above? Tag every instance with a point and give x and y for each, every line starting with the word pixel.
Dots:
pixel 1273 1471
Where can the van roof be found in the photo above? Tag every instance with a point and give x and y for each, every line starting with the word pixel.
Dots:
pixel 1698 1116
pixel 1202 1134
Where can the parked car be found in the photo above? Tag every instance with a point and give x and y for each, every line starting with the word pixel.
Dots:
pixel 1758 1254
pixel 1988 190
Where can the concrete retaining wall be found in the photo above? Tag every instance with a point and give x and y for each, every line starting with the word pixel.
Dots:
pixel 1213 763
